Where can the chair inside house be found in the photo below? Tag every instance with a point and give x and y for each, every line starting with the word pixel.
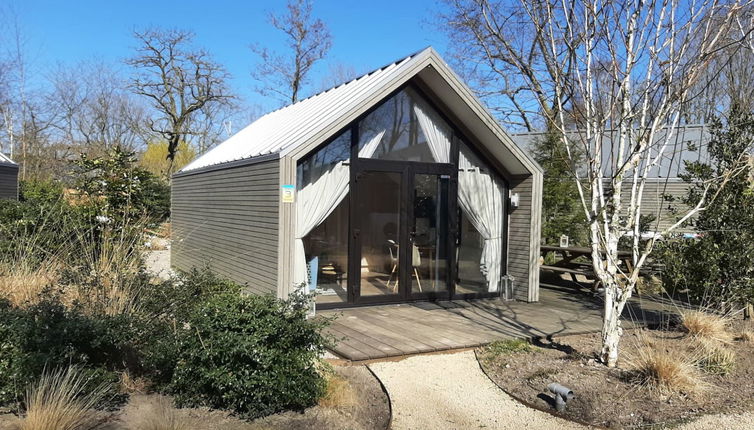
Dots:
pixel 416 262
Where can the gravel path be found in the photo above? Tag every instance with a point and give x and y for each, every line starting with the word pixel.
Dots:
pixel 743 421
pixel 157 261
pixel 449 391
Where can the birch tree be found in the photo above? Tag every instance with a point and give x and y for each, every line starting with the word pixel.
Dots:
pixel 612 80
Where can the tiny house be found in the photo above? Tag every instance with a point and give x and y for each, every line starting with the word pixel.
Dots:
pixel 396 186
pixel 8 178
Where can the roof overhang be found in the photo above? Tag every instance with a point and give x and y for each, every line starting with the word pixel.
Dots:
pixel 5 161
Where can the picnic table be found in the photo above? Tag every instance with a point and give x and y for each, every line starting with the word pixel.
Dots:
pixel 567 263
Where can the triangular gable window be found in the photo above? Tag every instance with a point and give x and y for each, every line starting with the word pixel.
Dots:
pixel 412 131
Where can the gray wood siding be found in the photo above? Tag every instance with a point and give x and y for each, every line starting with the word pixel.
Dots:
pixel 228 220
pixel 519 238
pixel 653 202
pixel 8 182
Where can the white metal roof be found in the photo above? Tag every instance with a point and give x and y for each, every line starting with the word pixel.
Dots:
pixel 297 127
pixel 4 159
pixel 288 127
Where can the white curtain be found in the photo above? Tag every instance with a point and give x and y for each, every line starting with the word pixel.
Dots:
pixel 437 132
pixel 479 194
pixel 481 199
pixel 318 199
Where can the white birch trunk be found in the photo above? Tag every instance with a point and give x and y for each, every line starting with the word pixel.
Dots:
pixel 615 71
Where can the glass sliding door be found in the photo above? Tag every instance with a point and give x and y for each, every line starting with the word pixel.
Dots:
pixel 399 207
pixel 379 229
pixel 400 225
pixel 428 234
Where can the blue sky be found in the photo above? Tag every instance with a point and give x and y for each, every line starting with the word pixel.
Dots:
pixel 366 34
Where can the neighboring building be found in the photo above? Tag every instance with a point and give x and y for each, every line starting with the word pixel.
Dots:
pixel 396 186
pixel 8 178
pixel 688 143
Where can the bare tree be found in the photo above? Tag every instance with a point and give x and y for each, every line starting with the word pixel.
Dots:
pixel 309 40
pixel 728 81
pixel 495 49
pixel 6 108
pixel 94 110
pixel 621 73
pixel 181 83
pixel 27 119
pixel 15 103
pixel 338 73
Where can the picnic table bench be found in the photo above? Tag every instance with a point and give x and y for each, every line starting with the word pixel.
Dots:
pixel 567 263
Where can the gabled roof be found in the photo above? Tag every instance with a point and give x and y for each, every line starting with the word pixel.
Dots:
pixel 6 160
pixel 309 122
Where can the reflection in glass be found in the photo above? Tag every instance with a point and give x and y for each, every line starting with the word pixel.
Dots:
pixel 429 235
pixel 325 159
pixel 326 245
pixel 413 130
pixel 379 217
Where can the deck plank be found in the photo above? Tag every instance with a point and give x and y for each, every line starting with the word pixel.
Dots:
pixel 367 345
pixel 376 332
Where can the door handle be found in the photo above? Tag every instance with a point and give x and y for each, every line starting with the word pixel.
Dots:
pixel 356 233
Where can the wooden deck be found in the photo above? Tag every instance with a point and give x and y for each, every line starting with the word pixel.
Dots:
pixel 377 332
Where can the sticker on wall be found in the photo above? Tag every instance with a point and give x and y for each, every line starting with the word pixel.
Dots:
pixel 288 193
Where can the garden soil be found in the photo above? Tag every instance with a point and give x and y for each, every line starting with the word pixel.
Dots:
pixel 610 398
pixel 368 410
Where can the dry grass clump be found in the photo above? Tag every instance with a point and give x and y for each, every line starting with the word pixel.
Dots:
pixel 58 401
pixel 131 385
pixel 161 416
pixel 99 270
pixel 666 370
pixel 715 357
pixel 22 284
pixel 339 392
pixel 746 336
pixel 107 278
pixel 706 325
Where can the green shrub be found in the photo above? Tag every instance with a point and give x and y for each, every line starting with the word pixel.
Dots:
pixel 177 298
pixel 118 188
pixel 255 355
pixel 38 229
pixel 716 269
pixel 40 192
pixel 48 335
pixel 166 307
pixel 155 196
